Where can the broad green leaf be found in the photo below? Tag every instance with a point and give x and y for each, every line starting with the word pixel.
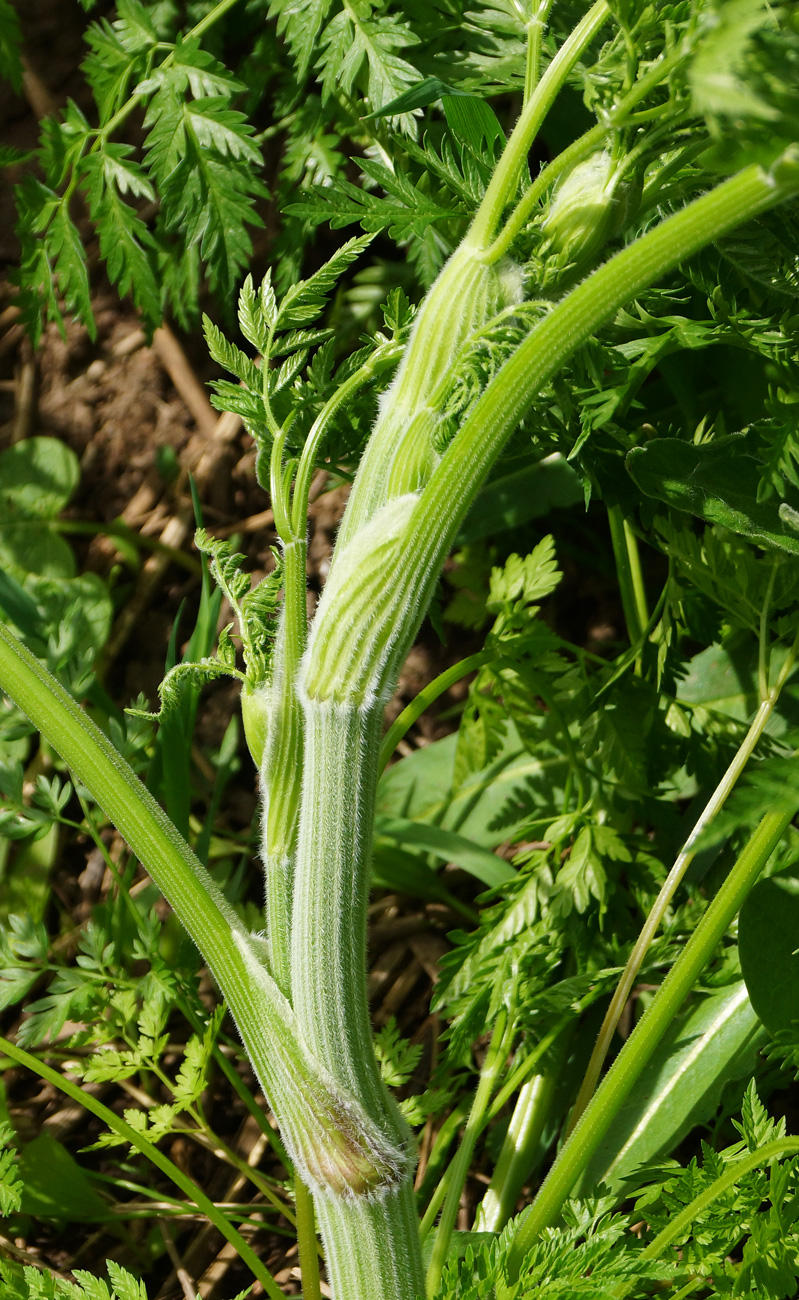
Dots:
pixel 407 873
pixel 25 887
pixel 725 679
pixel 468 116
pixel 55 1186
pixel 526 494
pixel 714 1043
pixel 37 478
pixel 490 804
pixel 17 605
pixel 448 846
pixel 768 943
pixel 718 482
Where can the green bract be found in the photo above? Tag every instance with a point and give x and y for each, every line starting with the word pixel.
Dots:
pixel 589 205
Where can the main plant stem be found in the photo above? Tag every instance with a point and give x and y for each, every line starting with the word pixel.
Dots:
pixel 371 1242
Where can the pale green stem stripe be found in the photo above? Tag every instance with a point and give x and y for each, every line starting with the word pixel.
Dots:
pixel 624 571
pixel 515 1159
pixel 516 1080
pixel 371 1244
pixel 118 1125
pixel 459 1170
pixel 522 1140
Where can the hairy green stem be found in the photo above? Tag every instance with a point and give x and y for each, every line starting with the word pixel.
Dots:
pixel 509 168
pixel 608 1099
pixel 330 1137
pixel 456 479
pixel 535 32
pixel 427 696
pixel 371 1241
pixel 379 586
pixel 577 151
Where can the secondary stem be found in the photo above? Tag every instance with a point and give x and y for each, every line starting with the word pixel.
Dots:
pixel 424 699
pixel 639 1047
pixel 495 1059
pixel 671 884
pixel 508 169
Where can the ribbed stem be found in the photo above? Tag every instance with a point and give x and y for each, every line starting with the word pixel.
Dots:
pixel 372 1247
pixel 281 770
pixel 371 1242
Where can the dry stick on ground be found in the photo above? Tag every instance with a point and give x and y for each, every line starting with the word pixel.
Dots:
pixel 177 366
pixel 183 1277
pixel 24 401
pixel 251 1143
pixel 12 1251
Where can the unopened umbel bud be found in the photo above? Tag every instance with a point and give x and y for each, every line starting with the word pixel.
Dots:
pixel 588 207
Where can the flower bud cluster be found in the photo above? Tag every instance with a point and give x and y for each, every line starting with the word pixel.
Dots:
pixel 589 207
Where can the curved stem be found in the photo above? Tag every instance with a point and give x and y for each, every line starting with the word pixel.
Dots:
pixel 381 359
pixel 669 888
pixel 427 695
pixel 456 479
pixel 577 150
pixel 754 1160
pixel 763 645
